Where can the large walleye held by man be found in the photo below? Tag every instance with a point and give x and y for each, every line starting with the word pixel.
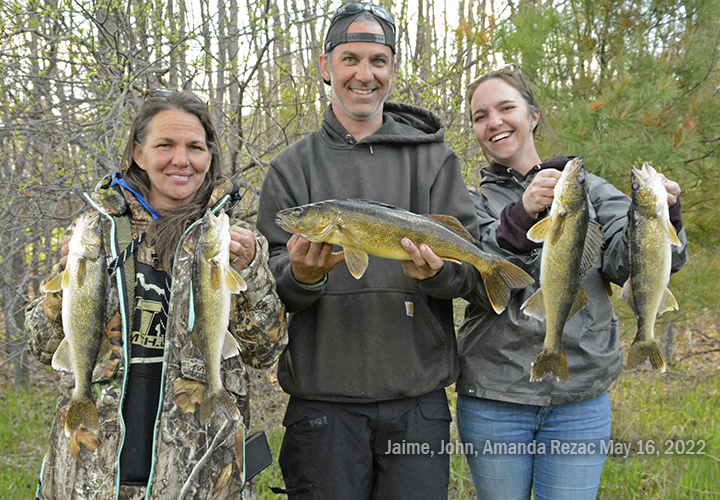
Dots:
pixel 651 236
pixel 84 284
pixel 571 243
pixel 365 227
pixel 214 281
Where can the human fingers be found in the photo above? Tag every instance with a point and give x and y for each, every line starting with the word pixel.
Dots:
pixel 311 261
pixel 673 189
pixel 242 247
pixel 424 264
pixel 64 251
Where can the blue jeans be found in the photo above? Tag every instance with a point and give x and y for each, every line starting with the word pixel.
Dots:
pixel 556 451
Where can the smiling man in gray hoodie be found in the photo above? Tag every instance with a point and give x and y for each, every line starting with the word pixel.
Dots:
pixel 368 360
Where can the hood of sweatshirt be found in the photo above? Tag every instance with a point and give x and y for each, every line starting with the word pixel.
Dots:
pixel 402 124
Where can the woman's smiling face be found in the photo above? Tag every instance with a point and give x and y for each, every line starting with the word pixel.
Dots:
pixel 175 156
pixel 503 123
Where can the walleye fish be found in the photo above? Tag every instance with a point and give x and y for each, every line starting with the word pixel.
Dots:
pixel 651 236
pixel 84 284
pixel 365 227
pixel 214 281
pixel 571 243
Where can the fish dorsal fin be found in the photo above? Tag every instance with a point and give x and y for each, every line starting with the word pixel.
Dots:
pixel 540 231
pixel 379 204
pixel 230 346
pixel 235 282
pixel 674 240
pixel 627 295
pixel 534 306
pixel 453 225
pixel 55 284
pixel 62 359
pixel 356 260
pixel 668 302
pixel 593 244
pixel 581 300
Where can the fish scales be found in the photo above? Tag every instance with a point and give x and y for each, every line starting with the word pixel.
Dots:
pixel 365 227
pixel 571 242
pixel 214 281
pixel 651 236
pixel 84 284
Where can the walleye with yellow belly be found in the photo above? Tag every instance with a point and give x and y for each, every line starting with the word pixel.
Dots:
pixel 364 227
pixel 571 243
pixel 84 284
pixel 651 236
pixel 214 281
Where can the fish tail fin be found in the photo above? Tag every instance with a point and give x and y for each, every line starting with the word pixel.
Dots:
pixel 550 363
pixel 500 279
pixel 645 352
pixel 82 411
pixel 218 402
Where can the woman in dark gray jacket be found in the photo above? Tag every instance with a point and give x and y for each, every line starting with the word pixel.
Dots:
pixel 520 436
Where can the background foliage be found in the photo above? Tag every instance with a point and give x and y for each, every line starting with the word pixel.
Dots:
pixel 620 81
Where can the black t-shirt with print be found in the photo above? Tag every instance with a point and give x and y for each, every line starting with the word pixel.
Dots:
pixel 142 395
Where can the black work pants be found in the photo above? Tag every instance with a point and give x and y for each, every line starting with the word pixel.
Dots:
pixel 390 450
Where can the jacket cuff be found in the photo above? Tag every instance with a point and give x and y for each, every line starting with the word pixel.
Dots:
pixel 675 213
pixel 515 222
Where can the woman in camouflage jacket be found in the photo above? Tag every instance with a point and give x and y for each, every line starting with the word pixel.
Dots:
pixel 151 441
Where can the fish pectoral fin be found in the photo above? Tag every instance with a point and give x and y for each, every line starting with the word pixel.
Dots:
pixel 62 359
pixel 534 306
pixel 215 274
pixel 628 297
pixel 230 346
pixel 593 244
pixel 540 231
pixel 234 281
pixel 674 240
pixel 356 260
pixel 668 302
pixel 55 284
pixel 581 300
pixel 80 273
pixel 454 225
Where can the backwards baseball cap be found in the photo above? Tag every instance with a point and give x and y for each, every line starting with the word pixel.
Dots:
pixel 347 14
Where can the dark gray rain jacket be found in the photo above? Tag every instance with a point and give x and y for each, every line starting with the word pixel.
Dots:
pixel 384 336
pixel 496 351
pixel 190 460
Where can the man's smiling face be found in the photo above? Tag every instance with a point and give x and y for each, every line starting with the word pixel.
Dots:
pixel 360 74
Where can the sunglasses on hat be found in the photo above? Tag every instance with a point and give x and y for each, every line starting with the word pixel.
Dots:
pixel 357 7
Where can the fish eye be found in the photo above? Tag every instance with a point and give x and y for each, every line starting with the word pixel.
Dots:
pixel 297 212
pixel 635 186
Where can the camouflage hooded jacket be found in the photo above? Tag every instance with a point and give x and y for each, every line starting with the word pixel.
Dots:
pixel 190 460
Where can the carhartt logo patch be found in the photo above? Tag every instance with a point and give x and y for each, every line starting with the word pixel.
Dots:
pixel 410 309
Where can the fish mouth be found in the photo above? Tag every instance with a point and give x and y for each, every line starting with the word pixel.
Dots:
pixel 284 220
pixel 643 175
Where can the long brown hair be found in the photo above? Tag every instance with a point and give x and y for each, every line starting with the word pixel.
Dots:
pixel 166 231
